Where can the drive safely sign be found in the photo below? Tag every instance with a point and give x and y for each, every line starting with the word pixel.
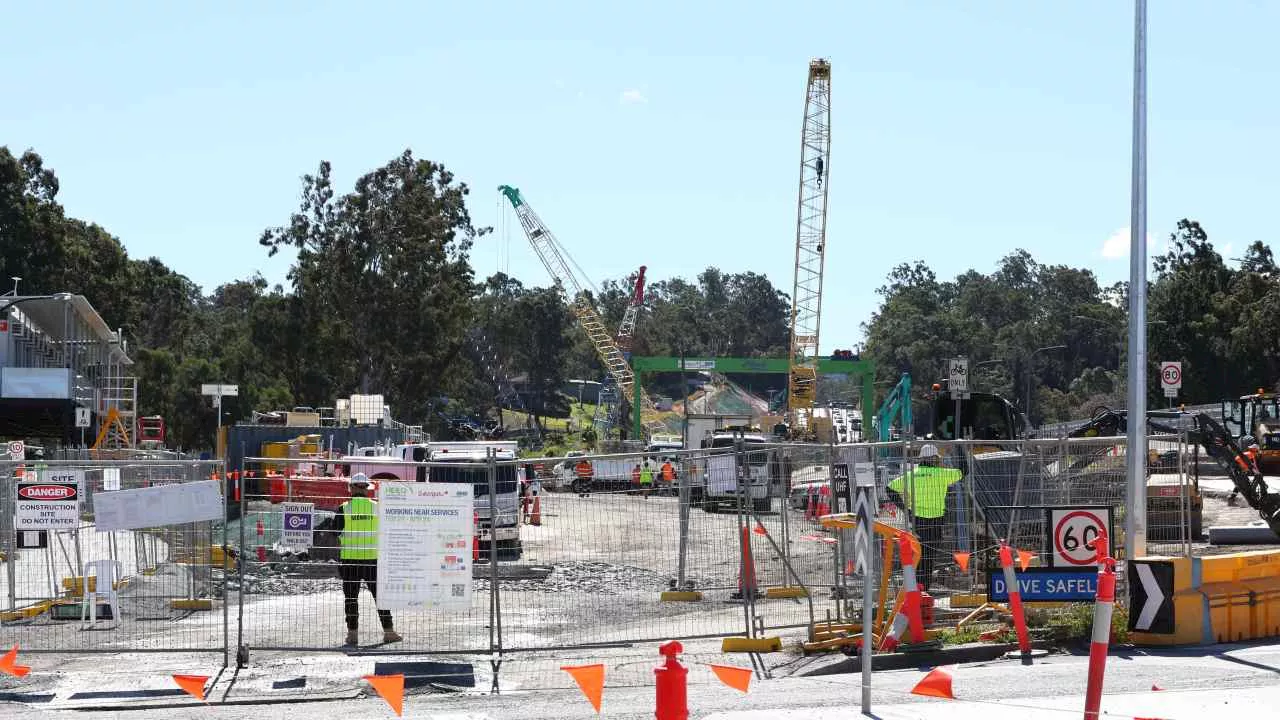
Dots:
pixel 52 503
pixel 1047 585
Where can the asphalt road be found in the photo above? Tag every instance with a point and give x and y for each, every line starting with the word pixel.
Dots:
pixel 1227 671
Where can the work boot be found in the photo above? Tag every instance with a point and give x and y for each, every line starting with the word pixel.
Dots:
pixel 353 638
pixel 391 636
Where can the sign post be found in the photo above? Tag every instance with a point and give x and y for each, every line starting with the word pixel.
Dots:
pixel 1171 379
pixel 958 383
pixel 217 392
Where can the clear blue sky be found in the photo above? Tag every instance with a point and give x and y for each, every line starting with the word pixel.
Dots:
pixel 662 133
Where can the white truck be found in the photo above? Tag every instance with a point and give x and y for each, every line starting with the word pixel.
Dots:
pixel 499 519
pixel 702 427
pixel 719 472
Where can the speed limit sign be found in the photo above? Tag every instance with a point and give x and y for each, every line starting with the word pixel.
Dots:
pixel 1073 529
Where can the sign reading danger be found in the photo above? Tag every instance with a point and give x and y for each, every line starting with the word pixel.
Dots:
pixel 1073 530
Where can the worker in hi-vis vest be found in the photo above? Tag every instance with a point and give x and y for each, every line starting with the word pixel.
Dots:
pixel 357 523
pixel 924 494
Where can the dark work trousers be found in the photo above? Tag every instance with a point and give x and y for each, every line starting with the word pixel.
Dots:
pixel 929 532
pixel 353 574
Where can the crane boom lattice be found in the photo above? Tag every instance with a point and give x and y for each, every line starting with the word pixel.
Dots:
pixel 811 240
pixel 556 262
pixel 627 330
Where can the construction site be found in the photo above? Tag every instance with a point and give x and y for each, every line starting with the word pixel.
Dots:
pixel 778 529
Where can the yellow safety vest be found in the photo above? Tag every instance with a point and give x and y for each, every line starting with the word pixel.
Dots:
pixel 646 476
pixel 926 495
pixel 359 537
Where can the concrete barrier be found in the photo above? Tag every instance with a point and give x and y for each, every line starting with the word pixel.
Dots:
pixel 1205 600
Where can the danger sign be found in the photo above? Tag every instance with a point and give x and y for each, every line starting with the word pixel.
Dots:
pixel 1073 530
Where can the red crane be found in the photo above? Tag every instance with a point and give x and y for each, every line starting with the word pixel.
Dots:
pixel 628 327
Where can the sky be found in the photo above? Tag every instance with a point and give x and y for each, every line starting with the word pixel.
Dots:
pixel 663 134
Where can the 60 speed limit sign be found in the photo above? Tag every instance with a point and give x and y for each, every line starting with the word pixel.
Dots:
pixel 1073 529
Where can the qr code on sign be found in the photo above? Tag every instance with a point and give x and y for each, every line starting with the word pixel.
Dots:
pixel 459 590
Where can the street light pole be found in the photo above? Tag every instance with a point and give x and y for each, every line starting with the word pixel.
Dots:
pixel 1135 525
pixel 1030 370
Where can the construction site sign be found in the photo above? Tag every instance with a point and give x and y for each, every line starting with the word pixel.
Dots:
pixel 425 533
pixel 51 503
pixel 17 450
pixel 1171 378
pixel 297 525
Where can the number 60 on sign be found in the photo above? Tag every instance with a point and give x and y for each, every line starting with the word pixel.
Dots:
pixel 1072 530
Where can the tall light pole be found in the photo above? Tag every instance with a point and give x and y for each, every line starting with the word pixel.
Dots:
pixel 1135 519
pixel 1031 370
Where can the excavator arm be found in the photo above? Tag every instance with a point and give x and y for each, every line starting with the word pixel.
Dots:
pixel 1209 434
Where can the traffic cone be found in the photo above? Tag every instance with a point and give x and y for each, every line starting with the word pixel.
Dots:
pixel 535 518
pixel 936 684
pixel 475 537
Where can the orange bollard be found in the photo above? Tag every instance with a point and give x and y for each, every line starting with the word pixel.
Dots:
pixel 1015 601
pixel 1104 603
pixel 671 685
pixel 909 616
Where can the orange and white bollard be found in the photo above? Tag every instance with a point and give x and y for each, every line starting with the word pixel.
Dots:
pixel 1104 603
pixel 1015 600
pixel 908 616
pixel 262 550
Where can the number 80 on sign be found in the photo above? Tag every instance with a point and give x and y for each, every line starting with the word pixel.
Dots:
pixel 1072 529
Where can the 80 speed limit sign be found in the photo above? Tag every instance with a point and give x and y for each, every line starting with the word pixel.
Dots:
pixel 1073 529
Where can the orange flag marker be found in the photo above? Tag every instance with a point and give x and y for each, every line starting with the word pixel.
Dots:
pixel 9 663
pixel 962 559
pixel 759 530
pixel 936 684
pixel 193 684
pixel 1024 558
pixel 389 688
pixel 735 677
pixel 590 679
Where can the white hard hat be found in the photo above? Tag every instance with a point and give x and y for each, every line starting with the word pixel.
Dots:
pixel 928 451
pixel 359 479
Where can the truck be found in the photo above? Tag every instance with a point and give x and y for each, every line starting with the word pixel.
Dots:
pixel 467 463
pixel 718 471
pixel 702 427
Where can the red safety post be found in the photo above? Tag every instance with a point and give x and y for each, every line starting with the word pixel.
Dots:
pixel 671 683
pixel 909 615
pixel 1015 600
pixel 262 550
pixel 1102 607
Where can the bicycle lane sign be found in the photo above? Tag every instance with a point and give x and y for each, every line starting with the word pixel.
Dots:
pixel 1073 529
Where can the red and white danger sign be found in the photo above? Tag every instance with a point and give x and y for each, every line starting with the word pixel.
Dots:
pixel 1073 530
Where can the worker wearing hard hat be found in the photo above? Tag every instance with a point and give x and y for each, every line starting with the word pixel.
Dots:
pixel 357 523
pixel 923 491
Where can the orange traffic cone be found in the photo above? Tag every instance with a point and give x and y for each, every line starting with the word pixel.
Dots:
pixel 936 684
pixel 535 518
pixel 747 572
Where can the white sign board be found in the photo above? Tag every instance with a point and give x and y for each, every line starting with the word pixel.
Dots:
pixel 1171 378
pixel 110 479
pixel 158 506
pixel 216 390
pixel 425 532
pixel 17 450
pixel 958 380
pixel 699 364
pixel 1073 529
pixel 50 503
pixel 296 525
pixel 82 417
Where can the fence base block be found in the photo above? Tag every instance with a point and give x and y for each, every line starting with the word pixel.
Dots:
pixel 786 592
pixel 26 613
pixel 192 604
pixel 751 645
pixel 680 596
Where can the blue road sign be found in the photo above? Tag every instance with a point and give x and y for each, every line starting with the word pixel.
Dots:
pixel 1046 585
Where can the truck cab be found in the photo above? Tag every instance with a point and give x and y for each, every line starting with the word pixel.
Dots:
pixel 720 470
pixel 467 462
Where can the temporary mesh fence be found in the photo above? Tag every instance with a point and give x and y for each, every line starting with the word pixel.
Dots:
pixel 569 558
pixel 84 575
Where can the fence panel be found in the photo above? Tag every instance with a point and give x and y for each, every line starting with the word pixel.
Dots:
pixel 169 578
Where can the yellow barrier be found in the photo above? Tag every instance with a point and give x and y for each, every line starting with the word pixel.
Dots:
pixel 1221 598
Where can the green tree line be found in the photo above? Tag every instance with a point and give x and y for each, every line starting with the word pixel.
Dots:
pixel 381 297
pixel 1218 320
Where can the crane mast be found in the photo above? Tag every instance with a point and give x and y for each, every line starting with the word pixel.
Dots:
pixel 553 258
pixel 628 327
pixel 811 240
